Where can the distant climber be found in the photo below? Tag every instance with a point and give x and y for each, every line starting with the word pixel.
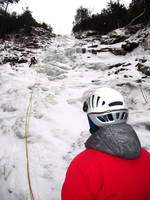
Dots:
pixel 33 61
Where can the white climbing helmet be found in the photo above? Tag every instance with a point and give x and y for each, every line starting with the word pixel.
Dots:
pixel 106 106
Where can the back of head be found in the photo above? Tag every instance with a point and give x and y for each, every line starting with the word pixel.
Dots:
pixel 105 106
pixel 107 115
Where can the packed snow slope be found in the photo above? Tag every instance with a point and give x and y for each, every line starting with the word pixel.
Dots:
pixel 56 125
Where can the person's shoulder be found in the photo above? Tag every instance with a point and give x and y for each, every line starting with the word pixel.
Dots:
pixel 145 153
pixel 86 157
pixel 86 162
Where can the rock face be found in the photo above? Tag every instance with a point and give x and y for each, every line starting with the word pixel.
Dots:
pixel 133 29
pixel 118 51
pixel 85 34
pixel 13 60
pixel 145 69
pixel 119 42
pixel 129 46
pixel 114 37
pixel 20 47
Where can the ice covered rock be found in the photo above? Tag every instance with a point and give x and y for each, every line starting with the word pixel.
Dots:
pixel 145 69
pixel 128 46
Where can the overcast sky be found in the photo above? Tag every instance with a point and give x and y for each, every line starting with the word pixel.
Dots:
pixel 60 13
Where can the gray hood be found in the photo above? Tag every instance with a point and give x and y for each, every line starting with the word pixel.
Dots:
pixel 117 139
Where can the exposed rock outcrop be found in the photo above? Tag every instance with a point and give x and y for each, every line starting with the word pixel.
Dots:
pixel 114 37
pixel 128 46
pixel 145 69
pixel 21 46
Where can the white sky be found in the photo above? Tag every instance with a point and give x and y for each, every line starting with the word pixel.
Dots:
pixel 60 13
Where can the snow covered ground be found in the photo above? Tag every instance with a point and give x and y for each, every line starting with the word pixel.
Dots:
pixel 57 126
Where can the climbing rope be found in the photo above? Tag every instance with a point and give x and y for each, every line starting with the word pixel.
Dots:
pixel 27 124
pixel 144 96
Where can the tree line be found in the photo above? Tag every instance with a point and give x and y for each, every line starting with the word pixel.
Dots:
pixel 115 15
pixel 11 23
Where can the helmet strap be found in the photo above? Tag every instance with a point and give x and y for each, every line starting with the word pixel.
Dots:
pixel 93 127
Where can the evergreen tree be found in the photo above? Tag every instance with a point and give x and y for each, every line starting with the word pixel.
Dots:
pixel 81 15
pixel 114 16
pixel 4 16
pixel 26 19
pixel 10 23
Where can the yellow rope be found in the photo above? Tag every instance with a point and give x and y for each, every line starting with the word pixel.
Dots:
pixel 28 114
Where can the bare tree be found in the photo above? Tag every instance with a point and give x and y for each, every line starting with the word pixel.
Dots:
pixel 4 3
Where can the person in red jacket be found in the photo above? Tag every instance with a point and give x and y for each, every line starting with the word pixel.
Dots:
pixel 113 166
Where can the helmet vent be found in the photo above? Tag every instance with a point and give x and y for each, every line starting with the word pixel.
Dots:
pixel 103 103
pixel 117 115
pixel 89 102
pixel 123 115
pixel 98 98
pixel 85 106
pixel 126 116
pixel 101 119
pixel 116 103
pixel 110 117
pixel 105 118
pixel 92 101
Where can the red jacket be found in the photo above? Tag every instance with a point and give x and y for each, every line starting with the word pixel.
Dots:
pixel 94 175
